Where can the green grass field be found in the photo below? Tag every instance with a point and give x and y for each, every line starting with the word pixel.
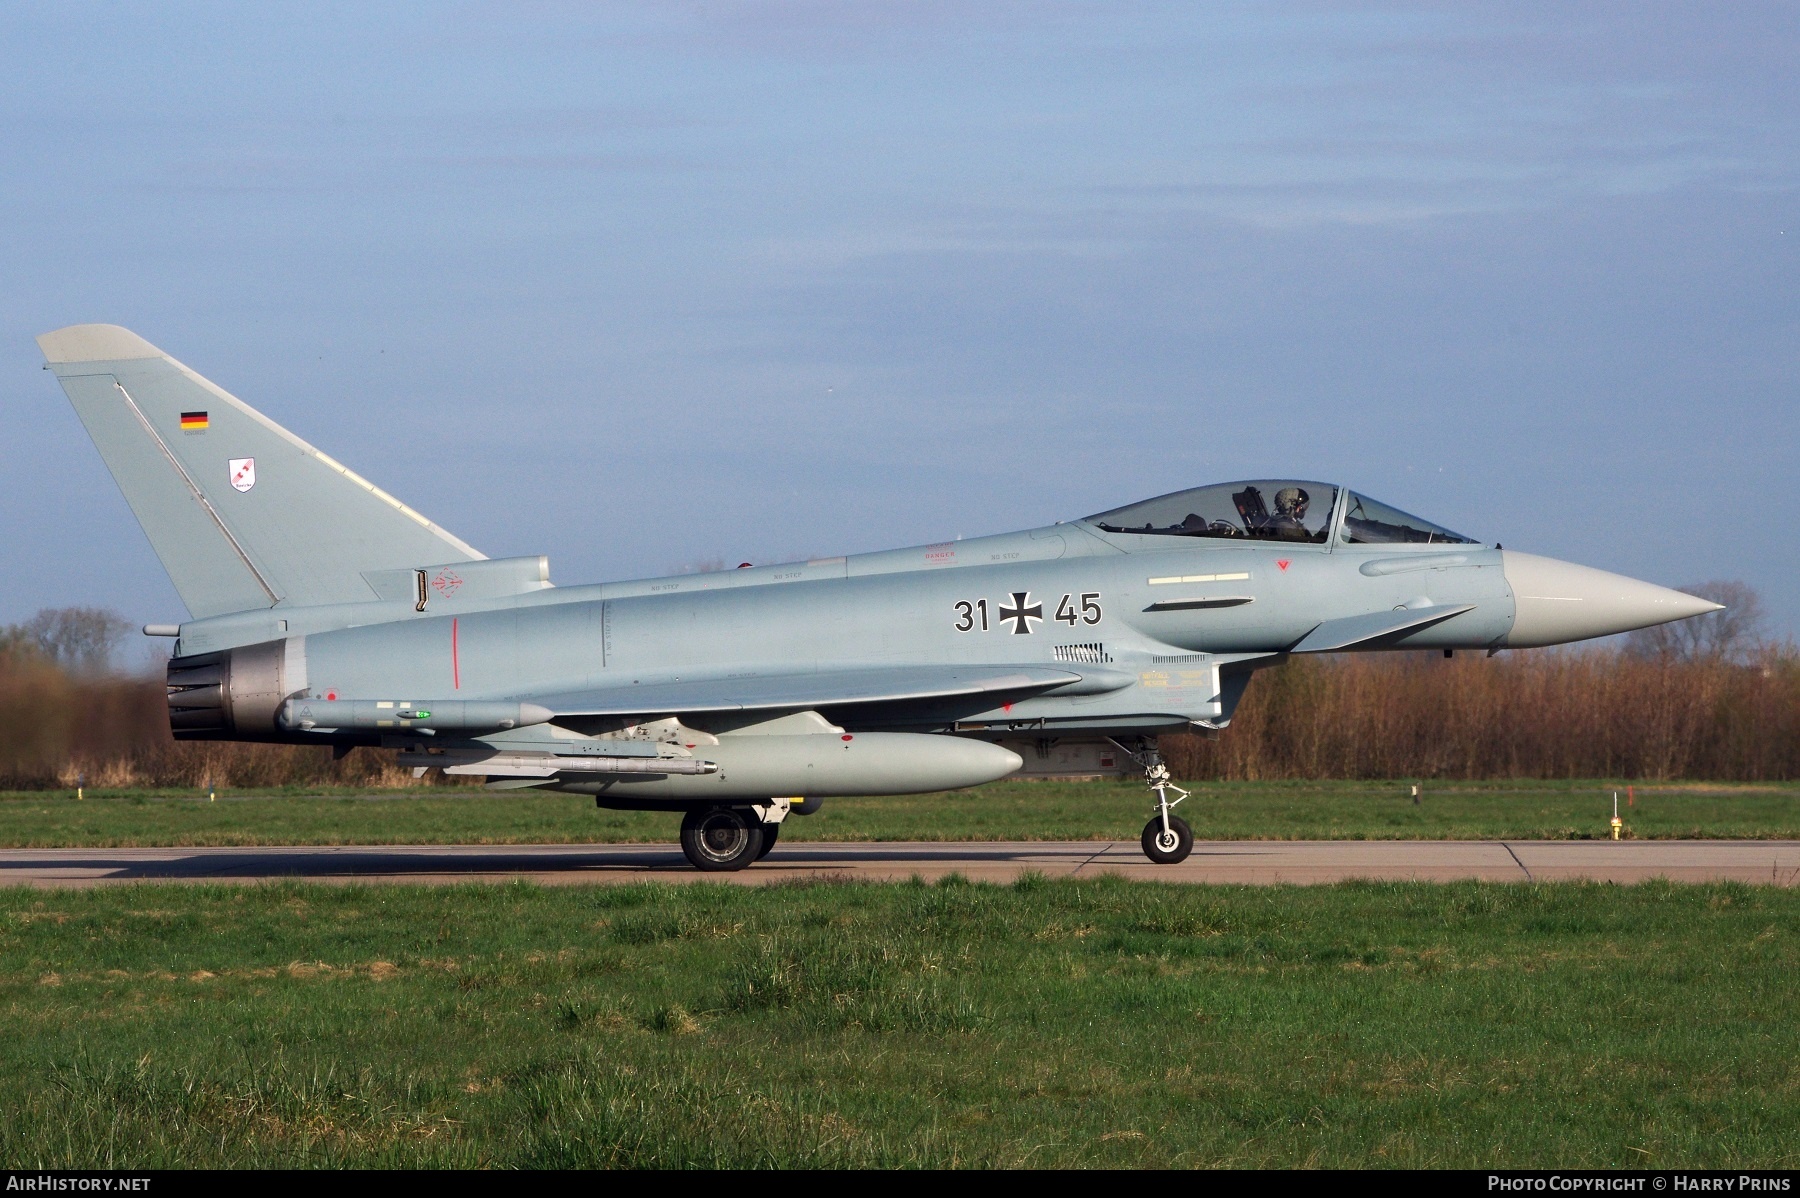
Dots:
pixel 1003 811
pixel 1042 1024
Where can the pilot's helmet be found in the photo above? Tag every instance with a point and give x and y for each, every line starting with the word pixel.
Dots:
pixel 1291 501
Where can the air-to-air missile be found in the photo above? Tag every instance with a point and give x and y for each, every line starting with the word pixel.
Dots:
pixel 326 612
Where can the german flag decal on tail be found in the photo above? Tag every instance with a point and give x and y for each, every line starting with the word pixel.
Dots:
pixel 193 422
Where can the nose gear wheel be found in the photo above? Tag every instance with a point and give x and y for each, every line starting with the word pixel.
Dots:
pixel 1167 838
pixel 1166 846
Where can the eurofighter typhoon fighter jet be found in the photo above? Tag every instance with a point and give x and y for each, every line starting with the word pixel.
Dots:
pixel 326 612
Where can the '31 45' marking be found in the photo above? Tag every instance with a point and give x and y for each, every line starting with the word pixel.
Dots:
pixel 1024 613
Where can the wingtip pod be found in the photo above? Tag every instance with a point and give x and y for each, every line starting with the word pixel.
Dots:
pixel 95 343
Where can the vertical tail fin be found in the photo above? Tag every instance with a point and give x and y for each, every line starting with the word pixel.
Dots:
pixel 242 513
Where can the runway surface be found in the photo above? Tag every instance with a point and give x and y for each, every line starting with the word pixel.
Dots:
pixel 1763 862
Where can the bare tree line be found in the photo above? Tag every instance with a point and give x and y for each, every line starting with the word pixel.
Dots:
pixel 1596 713
pixel 1693 700
pixel 80 640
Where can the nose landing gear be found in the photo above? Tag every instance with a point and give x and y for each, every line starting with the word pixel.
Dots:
pixel 1167 839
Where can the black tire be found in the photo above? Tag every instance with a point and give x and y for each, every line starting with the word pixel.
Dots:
pixel 1159 849
pixel 721 839
pixel 771 833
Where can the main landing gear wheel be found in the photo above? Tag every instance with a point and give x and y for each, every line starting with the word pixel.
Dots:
pixel 771 833
pixel 1168 847
pixel 722 839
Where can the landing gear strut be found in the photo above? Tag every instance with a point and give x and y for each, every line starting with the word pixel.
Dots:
pixel 1167 839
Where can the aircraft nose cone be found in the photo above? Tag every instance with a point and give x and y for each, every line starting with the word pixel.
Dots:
pixel 1556 602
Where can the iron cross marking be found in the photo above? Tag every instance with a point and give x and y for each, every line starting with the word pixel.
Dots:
pixel 1022 612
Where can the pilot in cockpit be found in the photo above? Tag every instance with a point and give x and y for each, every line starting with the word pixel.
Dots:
pixel 1290 515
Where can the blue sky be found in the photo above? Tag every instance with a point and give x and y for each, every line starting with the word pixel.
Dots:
pixel 644 286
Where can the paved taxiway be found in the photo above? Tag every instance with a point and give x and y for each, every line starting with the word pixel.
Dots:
pixel 1253 861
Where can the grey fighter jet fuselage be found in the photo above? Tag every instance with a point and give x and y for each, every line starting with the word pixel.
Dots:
pixel 325 612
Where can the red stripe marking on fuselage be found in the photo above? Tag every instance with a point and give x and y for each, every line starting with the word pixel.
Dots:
pixel 455 662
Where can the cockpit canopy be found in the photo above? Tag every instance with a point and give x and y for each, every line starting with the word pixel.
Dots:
pixel 1273 510
pixel 1266 510
pixel 1367 522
